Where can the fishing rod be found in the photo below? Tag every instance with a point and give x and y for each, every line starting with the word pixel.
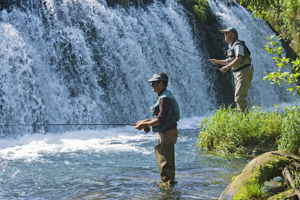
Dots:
pixel 15 125
pixel 146 128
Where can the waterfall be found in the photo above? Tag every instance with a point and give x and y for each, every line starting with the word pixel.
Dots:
pixel 84 62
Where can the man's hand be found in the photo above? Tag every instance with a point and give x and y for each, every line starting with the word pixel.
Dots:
pixel 224 69
pixel 139 125
pixel 213 61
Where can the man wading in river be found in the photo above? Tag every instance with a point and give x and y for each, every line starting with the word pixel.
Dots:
pixel 165 116
pixel 239 60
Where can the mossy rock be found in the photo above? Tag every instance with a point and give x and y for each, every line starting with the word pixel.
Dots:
pixel 260 169
pixel 282 195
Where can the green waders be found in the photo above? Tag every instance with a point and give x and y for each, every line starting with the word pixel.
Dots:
pixel 166 161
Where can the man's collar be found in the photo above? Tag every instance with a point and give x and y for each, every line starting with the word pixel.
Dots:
pixel 161 92
pixel 233 42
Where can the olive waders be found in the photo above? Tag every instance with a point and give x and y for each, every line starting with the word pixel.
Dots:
pixel 166 162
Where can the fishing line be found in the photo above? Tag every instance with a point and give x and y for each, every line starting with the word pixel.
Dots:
pixel 184 50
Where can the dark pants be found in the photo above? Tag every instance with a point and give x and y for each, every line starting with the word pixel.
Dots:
pixel 165 156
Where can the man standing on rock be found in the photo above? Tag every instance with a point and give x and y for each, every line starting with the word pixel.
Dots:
pixel 238 59
pixel 165 116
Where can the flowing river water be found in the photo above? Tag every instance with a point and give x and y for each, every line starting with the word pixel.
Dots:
pixel 117 163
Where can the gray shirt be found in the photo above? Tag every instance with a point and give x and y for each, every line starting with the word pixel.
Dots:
pixel 240 50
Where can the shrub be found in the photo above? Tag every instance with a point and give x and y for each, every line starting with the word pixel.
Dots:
pixel 200 8
pixel 230 132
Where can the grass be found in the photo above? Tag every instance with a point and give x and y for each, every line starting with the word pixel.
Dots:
pixel 230 132
pixel 254 190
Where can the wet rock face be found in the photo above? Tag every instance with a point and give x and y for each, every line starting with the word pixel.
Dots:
pixel 141 3
pixel 7 4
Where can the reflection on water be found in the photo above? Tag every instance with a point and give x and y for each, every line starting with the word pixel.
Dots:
pixel 120 166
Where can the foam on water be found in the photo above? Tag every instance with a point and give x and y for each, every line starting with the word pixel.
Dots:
pixel 32 146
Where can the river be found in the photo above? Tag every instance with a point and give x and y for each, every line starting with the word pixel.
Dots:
pixel 116 163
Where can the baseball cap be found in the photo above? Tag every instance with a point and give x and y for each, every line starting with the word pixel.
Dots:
pixel 157 77
pixel 230 29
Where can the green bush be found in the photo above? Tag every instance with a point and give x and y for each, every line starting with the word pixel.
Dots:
pixel 282 15
pixel 201 8
pixel 231 132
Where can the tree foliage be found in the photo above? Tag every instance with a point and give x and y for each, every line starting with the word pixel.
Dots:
pixel 282 15
pixel 260 7
pixel 289 76
pixel 201 8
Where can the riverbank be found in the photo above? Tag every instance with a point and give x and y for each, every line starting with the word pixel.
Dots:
pixel 251 183
pixel 230 132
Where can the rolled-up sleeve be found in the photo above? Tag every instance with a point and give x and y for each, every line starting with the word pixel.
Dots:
pixel 163 110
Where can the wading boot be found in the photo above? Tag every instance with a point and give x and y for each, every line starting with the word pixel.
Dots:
pixel 166 162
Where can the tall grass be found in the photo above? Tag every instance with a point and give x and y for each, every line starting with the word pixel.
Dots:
pixel 228 131
pixel 290 137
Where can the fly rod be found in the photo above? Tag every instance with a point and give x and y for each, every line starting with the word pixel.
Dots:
pixel 146 128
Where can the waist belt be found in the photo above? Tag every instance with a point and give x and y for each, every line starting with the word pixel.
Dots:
pixel 172 127
pixel 243 67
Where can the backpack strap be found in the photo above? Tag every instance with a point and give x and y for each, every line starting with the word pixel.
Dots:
pixel 242 43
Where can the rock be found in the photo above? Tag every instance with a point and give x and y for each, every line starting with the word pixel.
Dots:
pixel 262 168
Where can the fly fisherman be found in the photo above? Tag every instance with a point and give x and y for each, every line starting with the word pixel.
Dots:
pixel 238 59
pixel 165 116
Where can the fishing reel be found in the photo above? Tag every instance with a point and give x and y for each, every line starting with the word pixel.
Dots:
pixel 147 129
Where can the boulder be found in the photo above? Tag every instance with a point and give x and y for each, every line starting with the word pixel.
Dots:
pixel 260 169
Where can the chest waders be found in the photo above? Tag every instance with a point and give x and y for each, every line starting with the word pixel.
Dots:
pixel 165 152
pixel 166 162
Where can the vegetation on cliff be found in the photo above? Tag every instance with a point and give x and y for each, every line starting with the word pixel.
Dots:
pixel 282 15
pixel 201 8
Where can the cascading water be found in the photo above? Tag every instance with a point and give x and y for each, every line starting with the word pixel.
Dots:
pixel 80 61
pixel 89 66
pixel 254 32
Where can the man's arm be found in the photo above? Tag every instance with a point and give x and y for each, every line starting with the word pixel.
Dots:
pixel 160 118
pixel 147 122
pixel 234 63
pixel 216 62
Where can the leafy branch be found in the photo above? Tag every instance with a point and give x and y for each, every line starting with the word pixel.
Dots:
pixel 290 77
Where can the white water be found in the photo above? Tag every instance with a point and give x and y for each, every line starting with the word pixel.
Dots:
pixel 91 69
